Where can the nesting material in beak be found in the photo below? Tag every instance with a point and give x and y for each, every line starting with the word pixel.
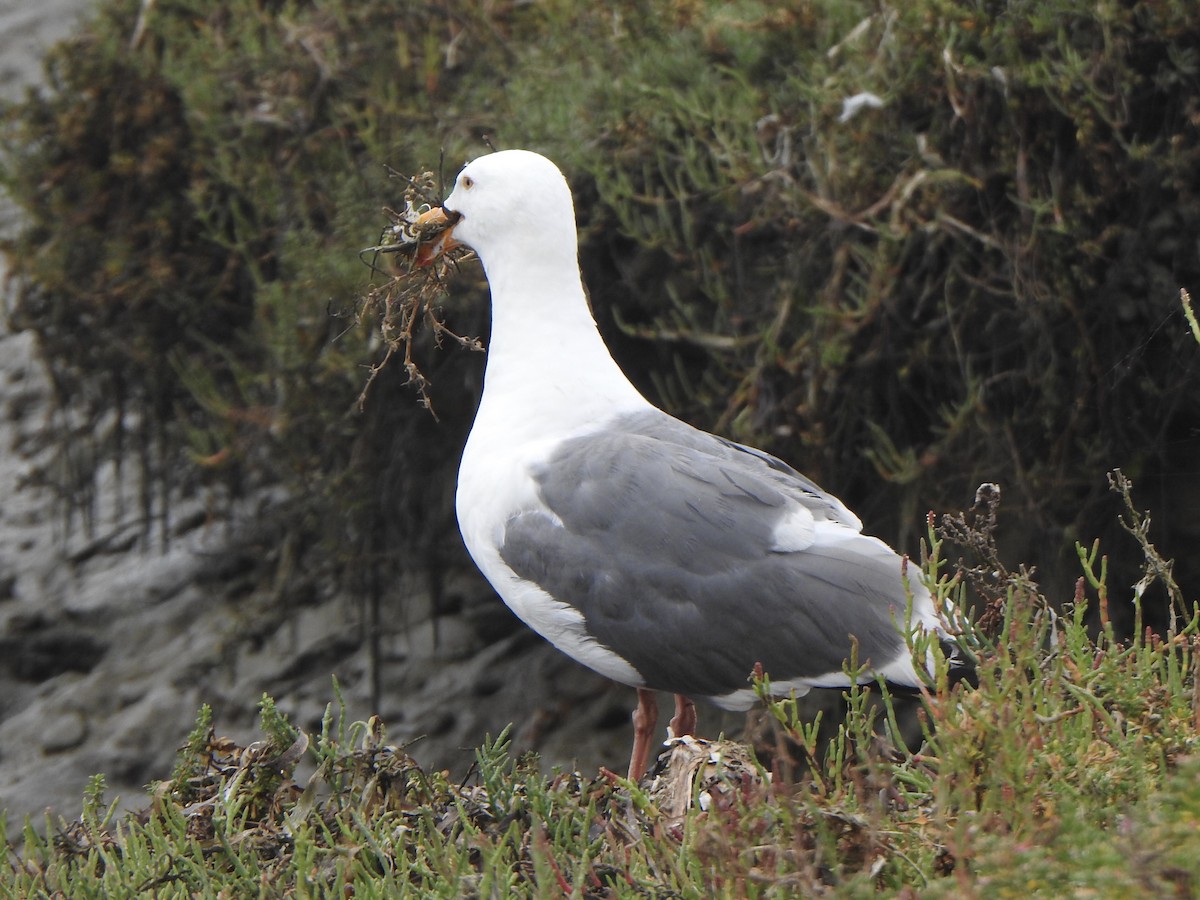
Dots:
pixel 438 225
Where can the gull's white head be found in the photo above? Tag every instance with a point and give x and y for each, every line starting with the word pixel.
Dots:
pixel 512 205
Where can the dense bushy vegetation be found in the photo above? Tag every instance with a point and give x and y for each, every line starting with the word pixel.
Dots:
pixel 1070 770
pixel 971 273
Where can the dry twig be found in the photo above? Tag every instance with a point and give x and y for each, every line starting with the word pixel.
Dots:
pixel 412 295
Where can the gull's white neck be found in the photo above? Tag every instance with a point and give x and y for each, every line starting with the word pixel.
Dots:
pixel 548 369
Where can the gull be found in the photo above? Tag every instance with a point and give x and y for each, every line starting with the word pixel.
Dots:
pixel 661 556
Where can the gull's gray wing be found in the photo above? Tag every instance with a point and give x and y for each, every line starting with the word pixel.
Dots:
pixel 694 558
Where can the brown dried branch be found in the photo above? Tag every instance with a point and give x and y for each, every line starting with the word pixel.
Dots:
pixel 975 531
pixel 1154 566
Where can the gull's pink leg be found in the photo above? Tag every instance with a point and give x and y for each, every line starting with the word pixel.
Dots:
pixel 645 717
pixel 684 722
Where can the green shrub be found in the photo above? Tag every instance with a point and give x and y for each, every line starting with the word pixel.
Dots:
pixel 1071 768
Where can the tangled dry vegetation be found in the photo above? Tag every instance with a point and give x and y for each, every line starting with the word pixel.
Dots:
pixel 412 296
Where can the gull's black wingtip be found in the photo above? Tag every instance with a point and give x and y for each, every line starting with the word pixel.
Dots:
pixel 962 668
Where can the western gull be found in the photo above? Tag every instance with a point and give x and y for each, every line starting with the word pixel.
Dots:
pixel 661 556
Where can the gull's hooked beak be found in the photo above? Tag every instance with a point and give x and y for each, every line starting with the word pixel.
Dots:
pixel 440 223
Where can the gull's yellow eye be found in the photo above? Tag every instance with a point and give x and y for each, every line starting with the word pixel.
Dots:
pixel 468 182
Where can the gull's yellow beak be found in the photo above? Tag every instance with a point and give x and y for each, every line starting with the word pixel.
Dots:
pixel 439 226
